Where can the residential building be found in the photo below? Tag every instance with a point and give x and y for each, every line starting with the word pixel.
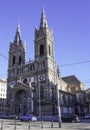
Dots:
pixel 3 95
pixel 76 87
pixel 88 98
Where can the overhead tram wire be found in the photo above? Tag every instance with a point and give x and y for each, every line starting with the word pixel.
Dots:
pixel 3 56
pixel 82 62
pixel 63 65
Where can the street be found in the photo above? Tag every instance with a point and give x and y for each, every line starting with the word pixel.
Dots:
pixel 18 125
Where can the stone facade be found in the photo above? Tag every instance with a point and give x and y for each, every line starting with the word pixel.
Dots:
pixel 31 81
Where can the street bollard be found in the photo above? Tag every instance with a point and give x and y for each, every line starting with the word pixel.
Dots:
pixel 29 126
pixel 41 124
pixel 15 124
pixel 1 124
pixel 52 124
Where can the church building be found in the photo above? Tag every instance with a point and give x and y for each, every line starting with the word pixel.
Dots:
pixel 32 88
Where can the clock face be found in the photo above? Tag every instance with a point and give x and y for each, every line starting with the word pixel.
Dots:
pixel 41 77
pixel 12 83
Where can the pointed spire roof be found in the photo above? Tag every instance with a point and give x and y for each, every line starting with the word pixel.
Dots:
pixel 18 35
pixel 43 22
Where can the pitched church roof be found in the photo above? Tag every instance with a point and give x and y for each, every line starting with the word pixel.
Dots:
pixel 71 79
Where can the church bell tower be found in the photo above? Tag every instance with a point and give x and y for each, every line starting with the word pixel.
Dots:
pixel 17 50
pixel 44 47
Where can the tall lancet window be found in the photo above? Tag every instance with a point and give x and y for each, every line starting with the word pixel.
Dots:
pixel 49 49
pixel 41 50
pixel 19 60
pixel 13 61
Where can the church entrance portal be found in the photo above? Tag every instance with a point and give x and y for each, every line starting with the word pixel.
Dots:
pixel 21 103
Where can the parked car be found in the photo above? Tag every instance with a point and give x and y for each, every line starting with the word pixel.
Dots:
pixel 87 116
pixel 3 116
pixel 28 118
pixel 47 118
pixel 34 118
pixel 69 118
pixel 12 117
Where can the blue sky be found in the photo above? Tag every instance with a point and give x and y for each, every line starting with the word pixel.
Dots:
pixel 70 21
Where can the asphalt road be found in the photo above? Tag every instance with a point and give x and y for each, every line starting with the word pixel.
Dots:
pixel 18 125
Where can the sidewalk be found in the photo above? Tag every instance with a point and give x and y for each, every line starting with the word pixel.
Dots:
pixel 18 125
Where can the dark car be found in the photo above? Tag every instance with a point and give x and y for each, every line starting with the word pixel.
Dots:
pixel 3 116
pixel 47 118
pixel 70 118
pixel 12 117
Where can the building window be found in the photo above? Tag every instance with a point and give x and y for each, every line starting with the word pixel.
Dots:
pixel 76 88
pixel 25 81
pixel 32 79
pixel 61 87
pixel 69 89
pixel 13 62
pixel 41 65
pixel 64 99
pixel 32 67
pixel 19 60
pixel 42 92
pixel 49 50
pixel 41 50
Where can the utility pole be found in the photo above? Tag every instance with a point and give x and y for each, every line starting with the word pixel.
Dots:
pixel 39 100
pixel 58 106
pixel 31 94
pixel 58 98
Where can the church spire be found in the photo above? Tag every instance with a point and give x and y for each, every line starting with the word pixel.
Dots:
pixel 43 22
pixel 18 35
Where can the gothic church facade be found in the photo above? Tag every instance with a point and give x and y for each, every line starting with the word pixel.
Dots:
pixel 32 87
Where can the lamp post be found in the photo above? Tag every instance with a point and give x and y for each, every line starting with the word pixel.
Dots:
pixel 58 96
pixel 40 113
pixel 10 99
pixel 31 93
pixel 58 106
pixel 39 100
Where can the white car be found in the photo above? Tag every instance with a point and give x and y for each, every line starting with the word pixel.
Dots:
pixel 34 118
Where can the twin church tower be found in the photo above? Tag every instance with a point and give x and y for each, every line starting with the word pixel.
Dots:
pixel 32 85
